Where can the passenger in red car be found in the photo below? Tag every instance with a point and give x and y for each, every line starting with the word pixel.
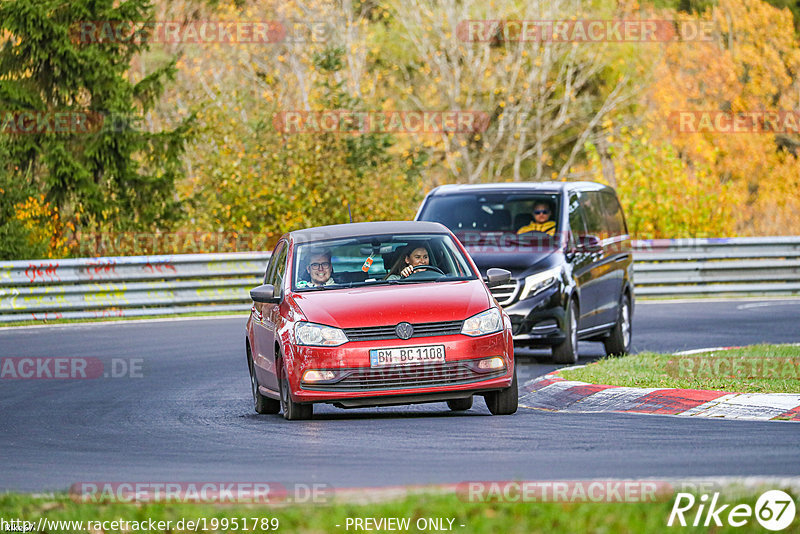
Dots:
pixel 320 269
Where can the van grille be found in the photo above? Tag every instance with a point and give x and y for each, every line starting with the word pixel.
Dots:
pixel 507 293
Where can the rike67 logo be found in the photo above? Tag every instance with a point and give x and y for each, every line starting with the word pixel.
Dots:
pixel 774 510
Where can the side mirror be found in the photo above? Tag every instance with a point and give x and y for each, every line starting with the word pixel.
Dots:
pixel 264 294
pixel 497 277
pixel 589 243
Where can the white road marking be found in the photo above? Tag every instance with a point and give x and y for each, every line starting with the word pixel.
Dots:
pixel 759 406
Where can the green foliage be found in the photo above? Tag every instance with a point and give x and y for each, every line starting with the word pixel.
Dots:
pixel 536 512
pixel 663 195
pixel 264 181
pixel 110 176
pixel 755 369
pixel 17 240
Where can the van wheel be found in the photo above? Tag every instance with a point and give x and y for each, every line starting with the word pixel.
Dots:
pixel 292 411
pixel 460 405
pixel 619 341
pixel 505 401
pixel 261 404
pixel 567 352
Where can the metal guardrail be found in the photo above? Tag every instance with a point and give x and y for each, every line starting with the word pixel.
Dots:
pixel 717 266
pixel 132 286
pixel 128 286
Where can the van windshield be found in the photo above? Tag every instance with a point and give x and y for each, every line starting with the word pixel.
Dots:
pixel 520 216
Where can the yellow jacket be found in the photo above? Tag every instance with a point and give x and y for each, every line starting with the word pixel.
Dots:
pixel 548 227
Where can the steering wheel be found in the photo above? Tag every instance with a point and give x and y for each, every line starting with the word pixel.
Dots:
pixel 432 267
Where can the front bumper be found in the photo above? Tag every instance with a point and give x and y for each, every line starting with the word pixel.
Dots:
pixel 359 384
pixel 539 320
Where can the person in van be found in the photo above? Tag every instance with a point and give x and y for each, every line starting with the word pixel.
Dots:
pixel 541 221
pixel 580 288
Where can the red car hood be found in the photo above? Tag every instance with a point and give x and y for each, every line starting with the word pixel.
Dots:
pixel 388 305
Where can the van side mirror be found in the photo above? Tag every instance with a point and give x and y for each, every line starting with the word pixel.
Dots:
pixel 264 294
pixel 497 277
pixel 589 243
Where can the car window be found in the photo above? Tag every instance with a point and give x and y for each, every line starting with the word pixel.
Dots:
pixel 612 211
pixel 487 212
pixel 269 275
pixel 377 260
pixel 576 222
pixel 592 208
pixel 280 270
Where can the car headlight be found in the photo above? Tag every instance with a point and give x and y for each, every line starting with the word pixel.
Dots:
pixel 318 334
pixel 483 323
pixel 536 283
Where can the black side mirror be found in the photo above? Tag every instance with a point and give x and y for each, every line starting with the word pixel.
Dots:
pixel 264 294
pixel 497 277
pixel 589 243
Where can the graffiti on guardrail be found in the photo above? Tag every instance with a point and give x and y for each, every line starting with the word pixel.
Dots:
pixel 99 268
pixel 42 271
pixel 160 267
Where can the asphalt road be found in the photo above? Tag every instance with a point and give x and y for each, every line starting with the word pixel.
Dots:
pixel 184 414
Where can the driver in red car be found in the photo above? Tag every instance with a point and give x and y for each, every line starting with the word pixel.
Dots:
pixel 404 266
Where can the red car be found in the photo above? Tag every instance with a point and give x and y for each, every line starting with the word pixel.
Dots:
pixel 377 314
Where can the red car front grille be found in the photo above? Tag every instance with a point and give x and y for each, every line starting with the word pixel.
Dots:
pixel 410 376
pixel 374 333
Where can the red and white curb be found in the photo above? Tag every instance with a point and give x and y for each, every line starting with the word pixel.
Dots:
pixel 551 392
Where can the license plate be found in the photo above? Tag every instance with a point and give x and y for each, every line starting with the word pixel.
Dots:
pixel 406 355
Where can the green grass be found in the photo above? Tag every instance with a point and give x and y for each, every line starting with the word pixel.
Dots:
pixel 754 369
pixel 476 517
pixel 131 318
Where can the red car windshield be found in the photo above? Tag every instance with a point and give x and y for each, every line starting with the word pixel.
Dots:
pixel 385 259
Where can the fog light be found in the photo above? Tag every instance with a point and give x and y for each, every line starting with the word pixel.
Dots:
pixel 492 363
pixel 318 376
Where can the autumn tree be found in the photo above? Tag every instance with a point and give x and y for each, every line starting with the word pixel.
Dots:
pixel 114 174
pixel 546 98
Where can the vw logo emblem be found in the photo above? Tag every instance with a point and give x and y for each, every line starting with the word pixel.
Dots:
pixel 404 330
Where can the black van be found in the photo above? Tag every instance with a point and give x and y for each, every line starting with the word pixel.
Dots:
pixel 568 250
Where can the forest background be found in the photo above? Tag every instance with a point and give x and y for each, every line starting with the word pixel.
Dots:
pixel 199 163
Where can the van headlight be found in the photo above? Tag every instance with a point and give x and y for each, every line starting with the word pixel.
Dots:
pixel 318 334
pixel 538 282
pixel 487 322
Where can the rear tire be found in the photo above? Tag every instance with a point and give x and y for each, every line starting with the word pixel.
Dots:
pixel 292 411
pixel 261 404
pixel 505 401
pixel 567 351
pixel 618 343
pixel 460 405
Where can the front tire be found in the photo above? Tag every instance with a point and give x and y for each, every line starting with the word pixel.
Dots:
pixel 292 411
pixel 460 405
pixel 505 401
pixel 618 343
pixel 567 351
